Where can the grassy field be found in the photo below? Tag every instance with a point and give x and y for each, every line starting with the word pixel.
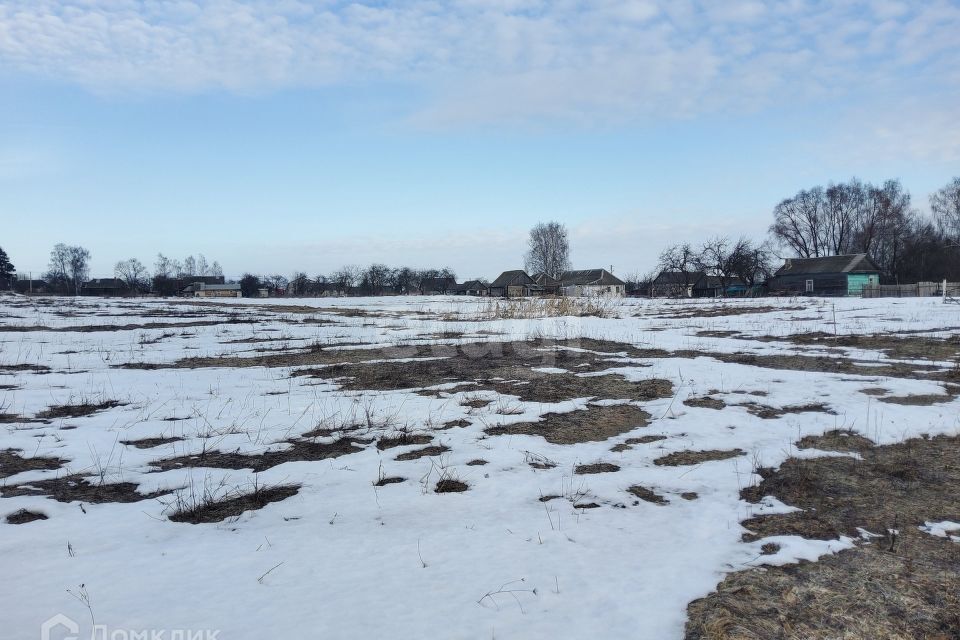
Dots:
pixel 408 466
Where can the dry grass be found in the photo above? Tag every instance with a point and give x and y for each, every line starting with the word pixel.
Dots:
pixel 12 463
pixel 532 308
pixel 206 506
pixel 647 495
pixel 593 424
pixel 78 410
pixel 683 458
pixel 902 584
pixel 24 516
pixel 595 467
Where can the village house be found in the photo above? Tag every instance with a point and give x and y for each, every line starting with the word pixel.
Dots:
pixel 28 286
pixel 472 288
pixel 514 284
pixel 438 286
pixel 675 284
pixel 591 282
pixel 549 285
pixel 204 290
pixel 105 287
pixel 844 275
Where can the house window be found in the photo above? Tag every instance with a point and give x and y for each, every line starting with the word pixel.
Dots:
pixel 809 286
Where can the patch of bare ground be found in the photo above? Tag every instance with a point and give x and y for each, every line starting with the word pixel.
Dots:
pixel 477 462
pixel 901 347
pixel 646 494
pixel 899 585
pixel 456 423
pixel 35 368
pixel 78 410
pixel 402 439
pixel 593 424
pixel 12 463
pixel 451 485
pixel 505 367
pixel 921 399
pixel 206 509
pixel 874 391
pixel 836 440
pixel 683 458
pixel 689 495
pixel 76 488
pixel 769 413
pixel 299 451
pixel 586 505
pixel 644 439
pixel 711 333
pixel 725 310
pixel 705 402
pixel 475 403
pixel 382 482
pixel 595 467
pixel 416 454
pixel 150 443
pixel 24 516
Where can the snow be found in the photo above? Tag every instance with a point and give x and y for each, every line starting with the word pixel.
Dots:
pixel 348 558
pixel 944 529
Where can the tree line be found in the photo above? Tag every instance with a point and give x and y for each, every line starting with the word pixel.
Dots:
pixel 375 279
pixel 841 218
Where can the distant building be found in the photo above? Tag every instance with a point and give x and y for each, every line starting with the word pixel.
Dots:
pixel 203 290
pixel 709 286
pixel 472 288
pixel 828 276
pixel 591 282
pixel 675 284
pixel 105 287
pixel 26 285
pixel 514 284
pixel 438 286
pixel 549 285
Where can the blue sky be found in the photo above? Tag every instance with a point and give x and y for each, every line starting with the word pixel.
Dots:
pixel 275 136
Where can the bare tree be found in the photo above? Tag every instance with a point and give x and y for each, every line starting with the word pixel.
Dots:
pixel 216 269
pixel 750 262
pixel 799 223
pixel 69 267
pixel 133 274
pixel 945 205
pixel 202 267
pixel 549 249
pixel 190 266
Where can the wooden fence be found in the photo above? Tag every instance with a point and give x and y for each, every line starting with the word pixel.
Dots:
pixel 917 290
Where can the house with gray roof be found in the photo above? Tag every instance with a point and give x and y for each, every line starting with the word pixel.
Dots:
pixel 591 282
pixel 514 284
pixel 843 275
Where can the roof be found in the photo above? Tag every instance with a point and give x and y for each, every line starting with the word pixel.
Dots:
pixel 678 277
pixel 104 283
pixel 546 281
pixel 600 277
pixel 201 286
pixel 470 285
pixel 517 276
pixel 850 263
pixel 713 282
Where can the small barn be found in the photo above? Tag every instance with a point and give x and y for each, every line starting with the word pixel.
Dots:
pixel 514 284
pixel 844 275
pixel 549 285
pixel 710 286
pixel 592 282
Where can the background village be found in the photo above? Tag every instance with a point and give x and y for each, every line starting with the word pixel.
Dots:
pixel 848 239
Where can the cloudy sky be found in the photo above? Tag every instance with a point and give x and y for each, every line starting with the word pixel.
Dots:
pixel 295 134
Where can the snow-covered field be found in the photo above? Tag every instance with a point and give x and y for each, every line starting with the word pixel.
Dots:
pixel 345 558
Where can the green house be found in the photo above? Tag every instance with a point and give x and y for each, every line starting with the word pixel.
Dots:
pixel 844 275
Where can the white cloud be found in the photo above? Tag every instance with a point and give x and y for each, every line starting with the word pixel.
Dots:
pixel 494 61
